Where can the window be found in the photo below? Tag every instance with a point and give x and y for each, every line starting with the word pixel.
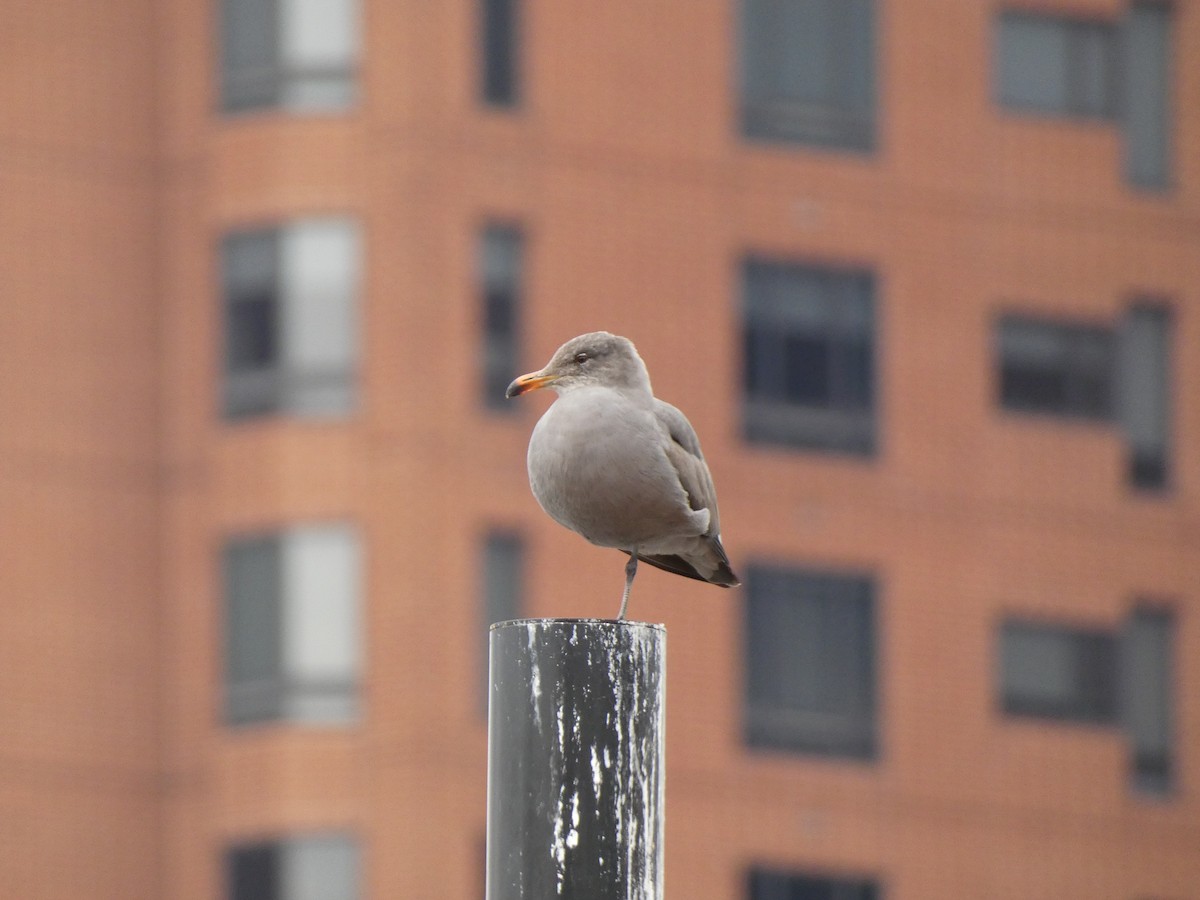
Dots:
pixel 1119 678
pixel 503 564
pixel 1146 698
pixel 809 356
pixel 309 867
pixel 1059 673
pixel 297 55
pixel 773 885
pixel 808 72
pixel 1147 115
pixel 810 658
pixel 1056 65
pixel 1056 367
pixel 503 575
pixel 293 626
pixel 1117 71
pixel 1108 374
pixel 500 84
pixel 501 253
pixel 1144 392
pixel 291 327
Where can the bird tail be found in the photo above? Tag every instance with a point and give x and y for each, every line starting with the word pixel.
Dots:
pixel 707 562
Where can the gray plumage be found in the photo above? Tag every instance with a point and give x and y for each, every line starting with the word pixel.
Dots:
pixel 622 468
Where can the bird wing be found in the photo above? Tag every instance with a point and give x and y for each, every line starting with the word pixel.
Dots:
pixel 683 452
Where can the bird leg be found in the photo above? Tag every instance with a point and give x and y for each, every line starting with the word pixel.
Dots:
pixel 630 571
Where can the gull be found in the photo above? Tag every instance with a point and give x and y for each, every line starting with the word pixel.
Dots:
pixel 620 467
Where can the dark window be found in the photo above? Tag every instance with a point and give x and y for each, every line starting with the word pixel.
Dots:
pixel 773 885
pixel 810 658
pixel 291 298
pixel 1147 112
pixel 1056 65
pixel 808 71
pixel 1146 698
pixel 501 254
pixel 1058 673
pixel 253 636
pixel 1144 394
pixel 309 867
pixel 500 41
pixel 1119 375
pixel 292 627
pixel 298 55
pixel 254 872
pixel 809 356
pixel 503 576
pixel 253 328
pixel 1056 367
pixel 252 309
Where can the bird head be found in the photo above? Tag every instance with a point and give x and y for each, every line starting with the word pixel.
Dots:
pixel 596 358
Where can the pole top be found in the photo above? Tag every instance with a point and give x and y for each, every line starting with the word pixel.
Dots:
pixel 617 625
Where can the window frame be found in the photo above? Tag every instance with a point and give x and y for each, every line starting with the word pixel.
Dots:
pixel 1153 772
pixel 1136 82
pixel 1151 472
pixel 1143 422
pixel 1152 172
pixel 767 882
pixel 499 26
pixel 286 387
pixel 1093 648
pixel 1148 725
pixel 1076 31
pixel 263 88
pixel 501 353
pixel 768 113
pixel 280 697
pixel 273 851
pixel 846 420
pixel 1072 333
pixel 851 734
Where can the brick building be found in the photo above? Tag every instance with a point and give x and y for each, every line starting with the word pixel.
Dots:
pixel 924 275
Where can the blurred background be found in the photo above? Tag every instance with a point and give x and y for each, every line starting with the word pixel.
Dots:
pixel 925 276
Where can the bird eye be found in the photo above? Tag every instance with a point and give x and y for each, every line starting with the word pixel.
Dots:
pixel 581 358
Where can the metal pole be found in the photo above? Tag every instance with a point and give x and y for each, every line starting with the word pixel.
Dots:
pixel 575 751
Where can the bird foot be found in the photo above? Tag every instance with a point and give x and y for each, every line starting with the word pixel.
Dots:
pixel 630 571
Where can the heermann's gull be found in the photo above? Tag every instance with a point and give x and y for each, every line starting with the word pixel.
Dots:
pixel 622 468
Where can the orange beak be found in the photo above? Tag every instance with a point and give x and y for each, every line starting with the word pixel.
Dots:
pixel 527 383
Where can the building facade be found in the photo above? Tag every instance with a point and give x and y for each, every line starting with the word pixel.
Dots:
pixel 925 276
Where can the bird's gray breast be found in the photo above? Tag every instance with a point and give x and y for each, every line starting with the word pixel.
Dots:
pixel 597 465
